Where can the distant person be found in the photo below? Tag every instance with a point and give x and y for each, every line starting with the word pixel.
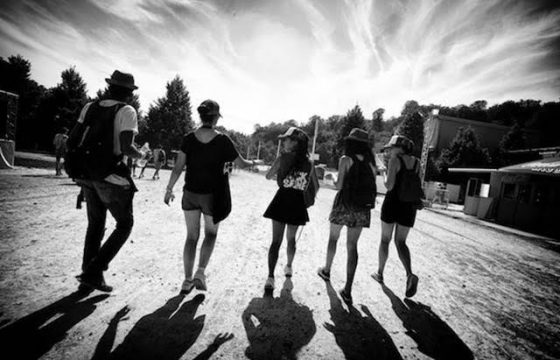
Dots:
pixel 287 209
pixel 397 214
pixel 205 152
pixel 59 143
pixel 104 133
pixel 352 205
pixel 160 158
pixel 143 162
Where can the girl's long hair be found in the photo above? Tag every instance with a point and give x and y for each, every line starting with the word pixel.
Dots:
pixel 353 148
pixel 301 153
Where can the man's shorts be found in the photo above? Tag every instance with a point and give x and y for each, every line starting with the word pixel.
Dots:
pixel 194 201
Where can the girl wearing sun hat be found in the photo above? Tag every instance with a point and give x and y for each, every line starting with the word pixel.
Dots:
pixel 352 204
pixel 395 214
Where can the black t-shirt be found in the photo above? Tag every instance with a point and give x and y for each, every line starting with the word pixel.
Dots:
pixel 205 161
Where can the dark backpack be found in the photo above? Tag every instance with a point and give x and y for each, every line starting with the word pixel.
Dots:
pixel 410 186
pixel 360 189
pixel 312 188
pixel 90 146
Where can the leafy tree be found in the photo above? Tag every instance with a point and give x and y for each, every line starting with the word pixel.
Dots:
pixel 514 139
pixel 169 119
pixel 15 77
pixel 464 151
pixel 413 128
pixel 70 97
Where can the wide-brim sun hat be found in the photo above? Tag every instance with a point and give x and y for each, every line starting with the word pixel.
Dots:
pixel 209 107
pixel 358 134
pixel 399 141
pixel 122 79
pixel 293 132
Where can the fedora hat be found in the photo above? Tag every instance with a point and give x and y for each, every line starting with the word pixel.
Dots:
pixel 121 79
pixel 358 134
pixel 209 107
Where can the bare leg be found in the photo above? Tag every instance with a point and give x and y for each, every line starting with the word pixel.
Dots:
pixel 192 219
pixel 353 235
pixel 277 236
pixel 331 248
pixel 210 234
pixel 291 248
pixel 386 234
pixel 400 242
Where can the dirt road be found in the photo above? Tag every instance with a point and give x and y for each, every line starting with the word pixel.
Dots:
pixel 483 294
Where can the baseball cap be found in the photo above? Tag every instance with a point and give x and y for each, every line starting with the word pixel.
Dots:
pixel 293 132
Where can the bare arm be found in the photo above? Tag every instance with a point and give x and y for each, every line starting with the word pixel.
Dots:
pixel 273 169
pixel 343 165
pixel 242 163
pixel 127 145
pixel 177 170
pixel 392 170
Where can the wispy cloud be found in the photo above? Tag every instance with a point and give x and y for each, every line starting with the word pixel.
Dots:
pixel 276 60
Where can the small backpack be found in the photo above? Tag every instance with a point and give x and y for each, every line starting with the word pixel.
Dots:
pixel 360 189
pixel 410 187
pixel 90 149
pixel 312 188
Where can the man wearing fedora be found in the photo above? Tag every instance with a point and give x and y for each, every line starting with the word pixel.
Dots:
pixel 114 189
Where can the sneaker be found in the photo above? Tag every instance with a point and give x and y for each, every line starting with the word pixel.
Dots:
pixel 96 282
pixel 347 298
pixel 323 274
pixel 269 285
pixel 411 285
pixel 199 281
pixel 288 271
pixel 377 277
pixel 186 287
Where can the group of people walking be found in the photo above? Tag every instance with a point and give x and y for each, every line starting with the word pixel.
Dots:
pixel 206 201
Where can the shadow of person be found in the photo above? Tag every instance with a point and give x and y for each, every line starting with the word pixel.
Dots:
pixel 212 348
pixel 41 330
pixel 277 328
pixel 359 337
pixel 434 337
pixel 167 333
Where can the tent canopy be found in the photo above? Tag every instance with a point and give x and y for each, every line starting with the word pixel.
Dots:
pixel 548 166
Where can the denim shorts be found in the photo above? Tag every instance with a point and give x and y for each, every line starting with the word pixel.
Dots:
pixel 195 201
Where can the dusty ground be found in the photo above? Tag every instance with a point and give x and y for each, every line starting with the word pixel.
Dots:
pixel 483 294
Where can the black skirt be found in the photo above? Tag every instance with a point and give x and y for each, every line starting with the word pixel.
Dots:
pixel 288 207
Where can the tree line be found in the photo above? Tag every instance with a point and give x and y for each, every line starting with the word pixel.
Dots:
pixel 43 111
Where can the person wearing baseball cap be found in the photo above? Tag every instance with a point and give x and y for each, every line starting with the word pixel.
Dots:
pixel 205 152
pixel 287 210
pixel 397 215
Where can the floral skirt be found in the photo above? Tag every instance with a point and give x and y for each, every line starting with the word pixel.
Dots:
pixel 342 215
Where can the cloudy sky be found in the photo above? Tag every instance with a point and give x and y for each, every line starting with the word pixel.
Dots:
pixel 272 60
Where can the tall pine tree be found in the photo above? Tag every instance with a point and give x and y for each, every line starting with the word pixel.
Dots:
pixel 353 119
pixel 413 128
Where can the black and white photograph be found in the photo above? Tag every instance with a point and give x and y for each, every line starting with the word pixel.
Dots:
pixel 280 179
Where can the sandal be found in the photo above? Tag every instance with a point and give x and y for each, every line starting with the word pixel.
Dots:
pixel 411 285
pixel 347 298
pixel 377 277
pixel 288 271
pixel 199 281
pixel 324 274
pixel 187 287
pixel 269 284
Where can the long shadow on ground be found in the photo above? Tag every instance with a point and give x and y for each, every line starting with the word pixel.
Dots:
pixel 277 328
pixel 167 333
pixel 359 337
pixel 34 335
pixel 434 337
